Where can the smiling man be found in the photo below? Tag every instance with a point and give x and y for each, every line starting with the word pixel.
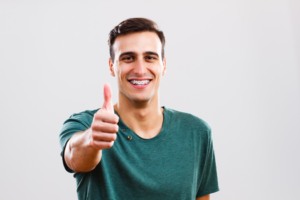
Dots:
pixel 137 149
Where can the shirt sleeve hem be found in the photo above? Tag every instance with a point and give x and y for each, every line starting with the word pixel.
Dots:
pixel 63 158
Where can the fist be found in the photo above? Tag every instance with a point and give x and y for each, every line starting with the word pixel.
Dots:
pixel 103 131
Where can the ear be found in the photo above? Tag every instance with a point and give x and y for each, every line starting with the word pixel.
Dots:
pixel 111 67
pixel 165 66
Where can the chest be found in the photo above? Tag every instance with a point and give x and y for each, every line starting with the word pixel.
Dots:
pixel 167 165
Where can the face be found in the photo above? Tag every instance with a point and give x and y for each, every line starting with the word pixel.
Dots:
pixel 138 65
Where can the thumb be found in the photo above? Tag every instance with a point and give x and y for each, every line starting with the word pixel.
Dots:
pixel 107 104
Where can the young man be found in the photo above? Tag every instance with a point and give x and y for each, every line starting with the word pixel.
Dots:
pixel 136 149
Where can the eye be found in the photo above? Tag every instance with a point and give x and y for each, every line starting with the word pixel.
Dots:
pixel 150 58
pixel 127 58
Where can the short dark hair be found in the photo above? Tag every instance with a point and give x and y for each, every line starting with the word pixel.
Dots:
pixel 133 25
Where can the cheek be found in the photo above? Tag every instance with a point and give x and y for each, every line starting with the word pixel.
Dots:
pixel 118 73
pixel 158 71
pixel 121 73
pixel 119 76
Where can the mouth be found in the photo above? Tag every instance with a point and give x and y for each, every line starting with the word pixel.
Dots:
pixel 140 83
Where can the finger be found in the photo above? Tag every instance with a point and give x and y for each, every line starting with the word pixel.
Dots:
pixel 105 136
pixel 106 116
pixel 102 144
pixel 105 127
pixel 107 104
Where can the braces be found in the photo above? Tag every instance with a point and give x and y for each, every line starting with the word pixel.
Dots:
pixel 140 82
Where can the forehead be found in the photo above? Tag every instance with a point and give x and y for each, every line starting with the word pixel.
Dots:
pixel 137 42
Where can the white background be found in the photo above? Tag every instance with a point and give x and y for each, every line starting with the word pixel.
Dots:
pixel 235 64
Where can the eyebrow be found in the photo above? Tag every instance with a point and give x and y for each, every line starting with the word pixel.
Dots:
pixel 127 53
pixel 133 53
pixel 151 53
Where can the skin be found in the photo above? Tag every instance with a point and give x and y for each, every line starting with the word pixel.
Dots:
pixel 137 56
pixel 206 197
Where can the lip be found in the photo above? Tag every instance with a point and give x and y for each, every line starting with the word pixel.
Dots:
pixel 140 86
pixel 139 79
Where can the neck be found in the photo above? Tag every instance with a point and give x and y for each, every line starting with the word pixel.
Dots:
pixel 144 118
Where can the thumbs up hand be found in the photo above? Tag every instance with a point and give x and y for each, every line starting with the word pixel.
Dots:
pixel 103 131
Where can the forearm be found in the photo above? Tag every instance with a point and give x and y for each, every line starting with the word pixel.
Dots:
pixel 206 197
pixel 80 155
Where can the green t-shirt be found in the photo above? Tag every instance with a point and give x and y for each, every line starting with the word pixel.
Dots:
pixel 178 163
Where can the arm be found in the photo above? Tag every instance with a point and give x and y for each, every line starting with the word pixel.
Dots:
pixel 206 197
pixel 83 151
pixel 79 155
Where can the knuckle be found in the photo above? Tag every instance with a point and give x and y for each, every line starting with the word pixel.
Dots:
pixel 97 125
pixel 114 137
pixel 99 115
pixel 94 144
pixel 116 128
pixel 110 144
pixel 94 126
pixel 94 136
pixel 116 118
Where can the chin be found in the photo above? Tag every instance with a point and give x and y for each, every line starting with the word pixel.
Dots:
pixel 139 99
pixel 135 97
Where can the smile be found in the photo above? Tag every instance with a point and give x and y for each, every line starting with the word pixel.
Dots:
pixel 139 83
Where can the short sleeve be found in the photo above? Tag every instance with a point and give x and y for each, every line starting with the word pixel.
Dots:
pixel 76 123
pixel 209 179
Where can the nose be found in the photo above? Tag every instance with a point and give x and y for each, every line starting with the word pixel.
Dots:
pixel 140 67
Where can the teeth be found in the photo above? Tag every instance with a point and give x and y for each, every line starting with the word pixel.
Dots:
pixel 139 82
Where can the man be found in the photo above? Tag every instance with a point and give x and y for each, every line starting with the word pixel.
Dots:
pixel 136 149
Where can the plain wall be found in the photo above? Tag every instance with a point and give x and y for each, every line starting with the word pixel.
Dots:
pixel 235 64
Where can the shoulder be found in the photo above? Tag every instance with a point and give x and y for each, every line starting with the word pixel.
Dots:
pixel 75 123
pixel 83 118
pixel 86 113
pixel 188 120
